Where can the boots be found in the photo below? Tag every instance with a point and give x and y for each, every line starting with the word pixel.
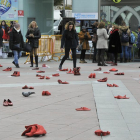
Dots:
pixel 31 59
pixel 36 61
pixel 77 71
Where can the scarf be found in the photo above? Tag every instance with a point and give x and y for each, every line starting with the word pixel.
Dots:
pixel 17 30
pixel 114 31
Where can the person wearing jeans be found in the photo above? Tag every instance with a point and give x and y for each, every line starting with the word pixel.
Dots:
pixel 16 43
pixel 69 41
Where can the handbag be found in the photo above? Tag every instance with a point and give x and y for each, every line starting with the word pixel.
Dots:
pixel 27 47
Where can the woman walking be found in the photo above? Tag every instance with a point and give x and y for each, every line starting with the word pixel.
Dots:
pixel 84 37
pixel 115 43
pixel 1 39
pixel 16 43
pixel 69 41
pixel 5 29
pixel 102 44
pixel 33 35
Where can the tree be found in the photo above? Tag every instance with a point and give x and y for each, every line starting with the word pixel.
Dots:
pixel 57 2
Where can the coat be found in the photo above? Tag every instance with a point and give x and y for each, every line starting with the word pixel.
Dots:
pixel 138 41
pixel 34 41
pixel 84 39
pixel 102 39
pixel 121 29
pixel 115 42
pixel 16 38
pixel 1 39
pixel 69 39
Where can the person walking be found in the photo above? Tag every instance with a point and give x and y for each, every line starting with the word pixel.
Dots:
pixel 94 40
pixel 125 36
pixel 1 35
pixel 33 35
pixel 115 43
pixel 16 43
pixel 69 41
pixel 5 29
pixel 84 36
pixel 102 44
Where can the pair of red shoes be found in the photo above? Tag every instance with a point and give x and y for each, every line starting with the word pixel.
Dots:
pixel 102 133
pixel 40 71
pixel 34 130
pixel 56 75
pixel 113 70
pixel 63 70
pixel 26 87
pixel 121 97
pixel 121 73
pixel 92 75
pixel 114 85
pixel 16 73
pixel 1 65
pixel 46 93
pixel 7 103
pixel 99 69
pixel 82 109
pixel 8 69
pixel 70 71
pixel 43 77
pixel 102 80
pixel 107 72
pixel 60 82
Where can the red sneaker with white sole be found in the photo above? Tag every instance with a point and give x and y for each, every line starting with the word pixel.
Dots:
pixel 83 109
pixel 8 69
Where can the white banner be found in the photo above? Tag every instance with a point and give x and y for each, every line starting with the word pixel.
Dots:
pixel 85 16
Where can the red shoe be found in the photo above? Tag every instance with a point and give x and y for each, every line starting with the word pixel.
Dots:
pixel 115 85
pixel 16 73
pixel 5 103
pixel 47 77
pixel 119 73
pixel 56 75
pixel 98 132
pixel 40 71
pixel 99 69
pixel 70 72
pixel 32 131
pixel 31 87
pixel 25 87
pixel 42 77
pixel 40 131
pixel 105 133
pixel 92 75
pixel 35 69
pixel 8 69
pixel 1 65
pixel 83 109
pixel 102 80
pixel 121 97
pixel 9 102
pixel 113 70
pixel 107 72
pixel 60 82
pixel 109 85
pixel 44 65
pixel 38 75
pixel 63 70
pixel 114 64
pixel 47 93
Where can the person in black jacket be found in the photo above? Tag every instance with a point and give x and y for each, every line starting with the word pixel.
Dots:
pixel 69 41
pixel 16 43
pixel 1 39
pixel 33 35
pixel 115 43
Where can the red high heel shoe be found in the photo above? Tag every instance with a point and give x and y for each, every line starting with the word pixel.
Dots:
pixel 70 72
pixel 60 82
pixel 31 87
pixel 121 97
pixel 37 75
pixel 102 80
pixel 42 77
pixel 40 71
pixel 115 85
pixel 56 75
pixel 109 85
pixel 99 69
pixel 107 72
pixel 92 75
pixel 47 93
pixel 8 69
pixel 25 87
pixel 82 109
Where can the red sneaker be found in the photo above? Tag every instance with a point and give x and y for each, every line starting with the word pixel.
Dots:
pixel 8 69
pixel 115 85
pixel 5 103
pixel 25 87
pixel 113 70
pixel 83 109
pixel 107 72
pixel 70 72
pixel 9 102
pixel 16 73
pixel 99 69
pixel 121 97
pixel 122 73
pixel 1 65
pixel 42 77
pixel 56 75
pixel 47 77
pixel 40 71
pixel 47 93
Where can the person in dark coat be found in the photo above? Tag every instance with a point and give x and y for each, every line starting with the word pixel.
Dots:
pixel 33 35
pixel 115 43
pixel 5 29
pixel 16 43
pixel 69 41
pixel 1 35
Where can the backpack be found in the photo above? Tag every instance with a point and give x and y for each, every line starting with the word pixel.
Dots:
pixel 124 37
pixel 132 38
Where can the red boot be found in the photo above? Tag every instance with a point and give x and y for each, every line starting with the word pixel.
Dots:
pixel 77 71
pixel 31 133
pixel 40 131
